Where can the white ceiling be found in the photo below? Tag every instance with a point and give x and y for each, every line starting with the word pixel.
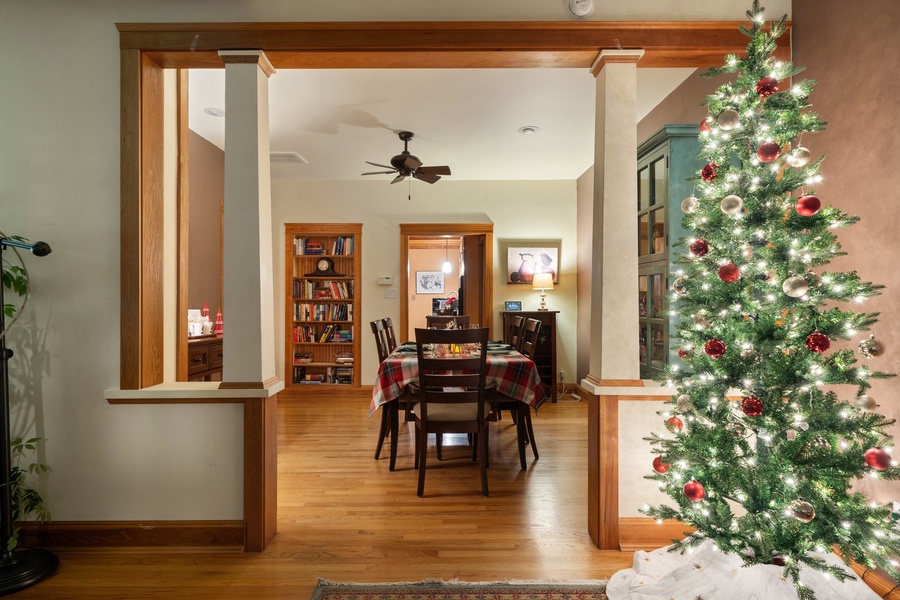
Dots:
pixel 464 118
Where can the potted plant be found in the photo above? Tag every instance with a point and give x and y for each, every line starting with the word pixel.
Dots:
pixel 18 568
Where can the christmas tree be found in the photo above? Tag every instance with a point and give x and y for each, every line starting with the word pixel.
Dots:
pixel 761 452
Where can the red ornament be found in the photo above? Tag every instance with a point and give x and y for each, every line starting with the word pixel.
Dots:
pixel 767 86
pixel 659 466
pixel 699 247
pixel 674 424
pixel 807 206
pixel 684 354
pixel 704 125
pixel 729 273
pixel 709 172
pixel 752 406
pixel 768 152
pixel 694 490
pixel 817 342
pixel 878 459
pixel 715 348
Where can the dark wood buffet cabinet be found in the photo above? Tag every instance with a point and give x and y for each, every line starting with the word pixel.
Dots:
pixel 205 358
pixel 545 350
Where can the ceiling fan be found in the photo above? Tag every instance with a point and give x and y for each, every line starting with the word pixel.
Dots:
pixel 407 165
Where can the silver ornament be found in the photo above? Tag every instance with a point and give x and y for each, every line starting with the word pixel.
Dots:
pixel 736 430
pixel 678 286
pixel 683 402
pixel 728 119
pixel 690 204
pixel 870 348
pixel 795 286
pixel 803 511
pixel 866 403
pixel 798 157
pixel 701 321
pixel 731 205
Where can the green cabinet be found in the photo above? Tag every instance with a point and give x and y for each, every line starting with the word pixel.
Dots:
pixel 666 162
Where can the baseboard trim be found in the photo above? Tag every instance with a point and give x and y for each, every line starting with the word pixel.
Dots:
pixel 217 535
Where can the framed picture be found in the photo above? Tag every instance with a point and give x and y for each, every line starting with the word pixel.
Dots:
pixel 524 259
pixel 429 282
pixel 513 304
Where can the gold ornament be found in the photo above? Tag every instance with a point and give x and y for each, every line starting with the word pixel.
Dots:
pixel 871 348
pixel 866 403
pixel 803 511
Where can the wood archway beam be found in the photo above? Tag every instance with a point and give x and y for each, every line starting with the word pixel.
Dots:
pixel 421 45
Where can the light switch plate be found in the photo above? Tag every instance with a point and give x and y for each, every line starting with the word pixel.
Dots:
pixel 392 293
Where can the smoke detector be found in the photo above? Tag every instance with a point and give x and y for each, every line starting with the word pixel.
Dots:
pixel 580 9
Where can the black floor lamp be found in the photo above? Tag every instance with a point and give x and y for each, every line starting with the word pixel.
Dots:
pixel 23 568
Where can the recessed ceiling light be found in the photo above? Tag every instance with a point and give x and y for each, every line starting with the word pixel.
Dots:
pixel 214 112
pixel 528 129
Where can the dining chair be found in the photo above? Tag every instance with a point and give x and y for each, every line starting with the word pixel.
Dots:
pixel 452 393
pixel 520 412
pixel 515 331
pixel 530 331
pixel 390 335
pixel 442 321
pixel 381 345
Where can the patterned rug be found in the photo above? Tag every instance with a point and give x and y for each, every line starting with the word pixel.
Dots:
pixel 435 589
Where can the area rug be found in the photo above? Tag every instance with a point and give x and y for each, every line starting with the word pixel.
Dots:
pixel 436 589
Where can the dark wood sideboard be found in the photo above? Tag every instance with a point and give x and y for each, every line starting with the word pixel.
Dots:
pixel 205 358
pixel 545 349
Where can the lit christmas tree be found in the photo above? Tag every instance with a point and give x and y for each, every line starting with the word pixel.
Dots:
pixel 767 477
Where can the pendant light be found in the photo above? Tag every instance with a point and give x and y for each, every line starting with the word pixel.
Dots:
pixel 447 267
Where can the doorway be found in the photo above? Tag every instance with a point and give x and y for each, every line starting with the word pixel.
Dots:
pixel 473 243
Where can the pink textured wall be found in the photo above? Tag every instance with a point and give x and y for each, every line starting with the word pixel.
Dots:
pixel 853 50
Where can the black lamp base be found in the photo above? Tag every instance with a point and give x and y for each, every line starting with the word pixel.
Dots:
pixel 21 569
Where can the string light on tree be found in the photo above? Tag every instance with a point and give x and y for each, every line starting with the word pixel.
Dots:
pixel 749 312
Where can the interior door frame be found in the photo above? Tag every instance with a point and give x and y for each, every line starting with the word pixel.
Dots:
pixel 408 230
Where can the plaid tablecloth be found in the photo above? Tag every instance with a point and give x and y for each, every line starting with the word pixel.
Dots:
pixel 512 374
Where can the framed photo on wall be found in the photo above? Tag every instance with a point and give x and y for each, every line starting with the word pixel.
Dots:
pixel 429 282
pixel 527 257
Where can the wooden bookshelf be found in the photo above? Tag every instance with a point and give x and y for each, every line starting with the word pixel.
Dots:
pixel 322 305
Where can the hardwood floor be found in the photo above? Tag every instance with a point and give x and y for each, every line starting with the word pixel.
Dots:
pixel 344 516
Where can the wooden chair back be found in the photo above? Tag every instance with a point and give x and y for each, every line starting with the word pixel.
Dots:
pixel 515 331
pixel 380 339
pixel 390 335
pixel 442 321
pixel 451 391
pixel 530 331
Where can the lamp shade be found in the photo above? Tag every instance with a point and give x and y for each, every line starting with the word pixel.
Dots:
pixel 542 281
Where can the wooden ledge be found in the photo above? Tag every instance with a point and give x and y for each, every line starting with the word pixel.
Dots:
pixel 185 392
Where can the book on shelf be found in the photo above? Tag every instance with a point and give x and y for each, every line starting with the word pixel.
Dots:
pixel 299 374
pixel 302 358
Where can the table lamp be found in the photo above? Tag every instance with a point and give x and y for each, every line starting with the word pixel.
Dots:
pixel 543 282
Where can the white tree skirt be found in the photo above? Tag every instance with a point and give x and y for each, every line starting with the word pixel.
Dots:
pixel 709 574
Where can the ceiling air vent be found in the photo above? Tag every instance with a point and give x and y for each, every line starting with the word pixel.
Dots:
pixel 287 157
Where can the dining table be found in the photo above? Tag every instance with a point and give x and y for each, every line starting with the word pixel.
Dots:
pixel 510 374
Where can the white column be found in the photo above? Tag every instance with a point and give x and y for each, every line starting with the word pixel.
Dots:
pixel 614 251
pixel 248 312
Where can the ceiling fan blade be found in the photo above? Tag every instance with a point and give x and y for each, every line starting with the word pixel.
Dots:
pixel 398 178
pixel 442 170
pixel 378 172
pixel 426 177
pixel 411 163
pixel 382 166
